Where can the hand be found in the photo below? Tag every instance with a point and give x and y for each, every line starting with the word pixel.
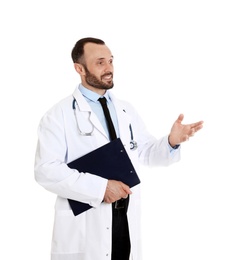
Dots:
pixel 116 190
pixel 181 133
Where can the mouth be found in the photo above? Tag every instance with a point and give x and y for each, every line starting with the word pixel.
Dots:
pixel 108 76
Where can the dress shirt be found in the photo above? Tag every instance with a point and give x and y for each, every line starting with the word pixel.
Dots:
pixel 92 98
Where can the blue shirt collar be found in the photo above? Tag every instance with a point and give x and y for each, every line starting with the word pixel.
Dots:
pixel 92 96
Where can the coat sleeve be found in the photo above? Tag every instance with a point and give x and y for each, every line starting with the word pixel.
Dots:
pixel 51 170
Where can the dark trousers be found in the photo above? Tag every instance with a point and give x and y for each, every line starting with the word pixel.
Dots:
pixel 120 231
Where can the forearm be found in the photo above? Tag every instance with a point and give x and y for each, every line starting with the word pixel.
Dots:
pixel 159 153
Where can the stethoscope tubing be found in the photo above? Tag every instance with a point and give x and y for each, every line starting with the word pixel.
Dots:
pixel 79 130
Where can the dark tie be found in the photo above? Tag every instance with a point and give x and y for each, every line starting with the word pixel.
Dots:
pixel 109 121
pixel 120 230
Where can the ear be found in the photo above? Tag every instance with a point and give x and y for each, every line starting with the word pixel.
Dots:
pixel 79 68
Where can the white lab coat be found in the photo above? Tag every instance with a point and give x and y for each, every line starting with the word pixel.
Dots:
pixel 88 235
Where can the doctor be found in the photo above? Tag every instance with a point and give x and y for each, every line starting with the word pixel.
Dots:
pixel 76 126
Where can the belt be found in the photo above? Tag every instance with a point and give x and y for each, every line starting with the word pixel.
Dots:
pixel 122 203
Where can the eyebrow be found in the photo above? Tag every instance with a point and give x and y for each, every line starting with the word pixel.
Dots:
pixel 104 58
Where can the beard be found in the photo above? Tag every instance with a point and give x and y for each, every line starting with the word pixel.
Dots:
pixel 93 81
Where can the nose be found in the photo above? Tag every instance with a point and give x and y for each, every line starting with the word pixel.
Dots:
pixel 109 67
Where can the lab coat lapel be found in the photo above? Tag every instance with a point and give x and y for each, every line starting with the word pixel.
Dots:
pixel 123 120
pixel 84 107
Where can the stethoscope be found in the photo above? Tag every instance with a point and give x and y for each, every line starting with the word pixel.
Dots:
pixel 79 130
pixel 133 144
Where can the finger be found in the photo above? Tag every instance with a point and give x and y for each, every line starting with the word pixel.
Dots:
pixel 197 128
pixel 126 188
pixel 108 200
pixel 192 133
pixel 198 125
pixel 180 118
pixel 185 138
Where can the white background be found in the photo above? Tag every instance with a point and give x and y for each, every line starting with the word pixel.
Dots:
pixel 177 55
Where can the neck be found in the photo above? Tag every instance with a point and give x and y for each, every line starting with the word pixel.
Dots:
pixel 99 91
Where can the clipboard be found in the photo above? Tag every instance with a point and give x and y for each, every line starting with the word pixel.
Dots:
pixel 109 161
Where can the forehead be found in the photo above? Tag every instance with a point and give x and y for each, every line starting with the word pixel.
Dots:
pixel 93 51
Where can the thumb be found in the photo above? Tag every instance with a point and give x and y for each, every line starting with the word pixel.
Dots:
pixel 180 118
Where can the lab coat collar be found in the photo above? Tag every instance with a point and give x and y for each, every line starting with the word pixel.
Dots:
pixel 85 107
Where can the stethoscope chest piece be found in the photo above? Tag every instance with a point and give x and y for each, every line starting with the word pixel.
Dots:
pixel 133 145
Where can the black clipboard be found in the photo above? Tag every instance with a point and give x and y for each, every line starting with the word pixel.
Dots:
pixel 109 161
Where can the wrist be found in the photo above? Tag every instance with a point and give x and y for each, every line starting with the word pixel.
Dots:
pixel 173 145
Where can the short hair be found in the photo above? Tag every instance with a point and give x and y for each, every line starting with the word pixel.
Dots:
pixel 78 49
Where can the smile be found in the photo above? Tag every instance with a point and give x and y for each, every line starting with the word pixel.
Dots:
pixel 107 76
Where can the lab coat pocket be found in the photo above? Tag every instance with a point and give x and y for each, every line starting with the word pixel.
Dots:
pixel 69 234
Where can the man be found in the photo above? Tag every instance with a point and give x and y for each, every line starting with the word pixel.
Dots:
pixel 76 126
